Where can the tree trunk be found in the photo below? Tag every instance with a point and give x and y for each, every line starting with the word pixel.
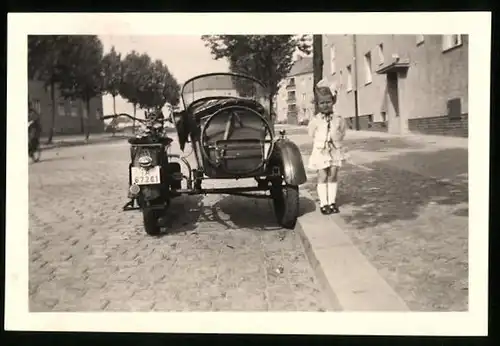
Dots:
pixel 271 106
pixel 87 127
pixel 133 123
pixel 317 64
pixel 53 115
pixel 82 123
pixel 113 128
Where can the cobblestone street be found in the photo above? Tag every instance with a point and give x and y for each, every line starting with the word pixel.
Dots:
pixel 221 253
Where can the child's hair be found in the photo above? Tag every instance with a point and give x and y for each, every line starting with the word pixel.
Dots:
pixel 323 91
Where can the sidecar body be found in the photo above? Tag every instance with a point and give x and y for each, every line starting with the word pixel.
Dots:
pixel 227 120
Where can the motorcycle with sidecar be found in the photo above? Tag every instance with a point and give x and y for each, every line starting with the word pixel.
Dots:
pixel 226 118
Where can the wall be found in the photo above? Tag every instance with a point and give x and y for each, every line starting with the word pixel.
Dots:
pixel 433 78
pixel 66 121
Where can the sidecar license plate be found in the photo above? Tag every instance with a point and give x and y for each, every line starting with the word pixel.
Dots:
pixel 142 176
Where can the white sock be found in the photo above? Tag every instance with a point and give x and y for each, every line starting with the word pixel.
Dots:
pixel 332 192
pixel 322 194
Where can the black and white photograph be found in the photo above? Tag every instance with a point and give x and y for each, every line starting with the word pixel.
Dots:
pixel 234 178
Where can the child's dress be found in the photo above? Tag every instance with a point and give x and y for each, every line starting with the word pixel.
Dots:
pixel 327 131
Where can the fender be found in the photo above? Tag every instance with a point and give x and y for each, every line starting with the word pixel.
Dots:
pixel 293 165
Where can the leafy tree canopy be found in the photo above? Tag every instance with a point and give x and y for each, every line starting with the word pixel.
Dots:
pixel 82 67
pixel 159 87
pixel 267 58
pixel 112 72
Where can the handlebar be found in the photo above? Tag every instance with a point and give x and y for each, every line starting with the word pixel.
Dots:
pixel 114 116
pixel 143 121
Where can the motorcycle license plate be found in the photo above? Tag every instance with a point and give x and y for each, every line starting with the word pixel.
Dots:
pixel 142 176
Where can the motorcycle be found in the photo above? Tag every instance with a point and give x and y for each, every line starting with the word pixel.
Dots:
pixel 152 178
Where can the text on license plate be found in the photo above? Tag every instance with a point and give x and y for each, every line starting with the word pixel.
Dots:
pixel 142 176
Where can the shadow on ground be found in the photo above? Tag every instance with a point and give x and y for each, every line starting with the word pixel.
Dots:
pixel 256 214
pixel 386 194
pixel 183 214
pixel 372 145
pixel 380 144
pixel 451 164
pixel 412 227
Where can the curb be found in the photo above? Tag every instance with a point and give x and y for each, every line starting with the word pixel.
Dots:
pixel 349 280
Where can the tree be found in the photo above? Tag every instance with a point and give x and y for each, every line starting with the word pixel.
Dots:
pixel 112 75
pixel 44 64
pixel 83 68
pixel 135 76
pixel 267 58
pixel 160 88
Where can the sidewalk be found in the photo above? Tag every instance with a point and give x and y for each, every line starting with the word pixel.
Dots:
pixel 404 206
pixel 76 140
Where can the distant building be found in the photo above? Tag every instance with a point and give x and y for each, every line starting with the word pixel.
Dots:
pixel 404 83
pixel 294 102
pixel 68 119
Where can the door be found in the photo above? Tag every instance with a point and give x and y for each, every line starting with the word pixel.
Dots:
pixel 393 113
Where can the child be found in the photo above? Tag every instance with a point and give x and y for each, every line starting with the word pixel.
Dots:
pixel 328 131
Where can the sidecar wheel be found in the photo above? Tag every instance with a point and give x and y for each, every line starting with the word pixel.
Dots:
pixel 152 220
pixel 286 204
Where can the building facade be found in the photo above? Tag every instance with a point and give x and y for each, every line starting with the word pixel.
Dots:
pixel 402 83
pixel 69 113
pixel 294 102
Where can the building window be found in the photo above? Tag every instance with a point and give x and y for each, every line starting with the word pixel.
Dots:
pixel 61 110
pixel 380 50
pixel 349 78
pixel 292 81
pixel 368 68
pixel 291 96
pixel 451 41
pixel 420 39
pixel 332 60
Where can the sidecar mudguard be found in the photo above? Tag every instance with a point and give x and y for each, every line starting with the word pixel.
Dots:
pixel 291 159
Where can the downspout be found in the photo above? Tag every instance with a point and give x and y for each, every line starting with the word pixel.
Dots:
pixel 355 68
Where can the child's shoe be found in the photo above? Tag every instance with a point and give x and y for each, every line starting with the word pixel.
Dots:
pixel 333 208
pixel 325 210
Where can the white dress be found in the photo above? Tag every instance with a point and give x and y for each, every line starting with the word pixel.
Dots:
pixel 328 133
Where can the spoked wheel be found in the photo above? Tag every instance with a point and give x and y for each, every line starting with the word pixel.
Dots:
pixel 152 218
pixel 286 204
pixel 35 155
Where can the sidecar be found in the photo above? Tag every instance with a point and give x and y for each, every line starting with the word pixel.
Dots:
pixel 227 121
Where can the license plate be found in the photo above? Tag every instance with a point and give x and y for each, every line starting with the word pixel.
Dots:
pixel 142 176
